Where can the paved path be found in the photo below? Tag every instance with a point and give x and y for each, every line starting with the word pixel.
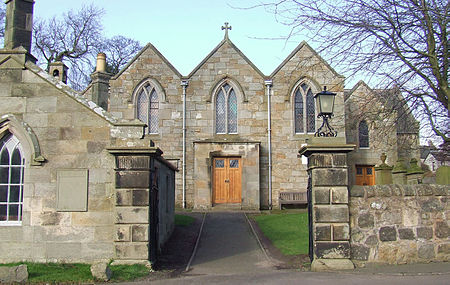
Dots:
pixel 228 253
pixel 228 246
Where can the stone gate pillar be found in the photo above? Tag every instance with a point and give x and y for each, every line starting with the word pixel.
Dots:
pixel 330 228
pixel 133 226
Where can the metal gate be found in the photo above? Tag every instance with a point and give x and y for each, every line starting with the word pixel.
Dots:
pixel 310 217
pixel 153 212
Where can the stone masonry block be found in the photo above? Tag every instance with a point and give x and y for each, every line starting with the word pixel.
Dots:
pixel 132 215
pixel 132 250
pixel 320 160
pixel 366 220
pixel 425 233
pixel 426 251
pixel 323 232
pixel 442 229
pixel 341 232
pixel 360 252
pixel 140 198
pixel 339 195
pixel 357 191
pixel 329 177
pixel 406 233
pixel 387 234
pixel 133 162
pixel 321 195
pixel 123 198
pixel 139 233
pixel 122 233
pixel 331 214
pixel 443 249
pixel 339 159
pixel 332 249
pixel 132 179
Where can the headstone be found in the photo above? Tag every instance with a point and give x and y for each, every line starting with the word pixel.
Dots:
pixel 14 274
pixel 383 172
pixel 414 174
pixel 443 175
pixel 101 271
pixel 399 172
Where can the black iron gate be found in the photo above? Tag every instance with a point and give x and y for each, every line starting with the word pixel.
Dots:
pixel 310 217
pixel 153 212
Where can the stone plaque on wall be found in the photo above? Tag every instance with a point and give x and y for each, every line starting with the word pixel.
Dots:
pixel 72 190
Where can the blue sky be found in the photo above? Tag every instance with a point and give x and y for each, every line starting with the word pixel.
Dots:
pixel 186 31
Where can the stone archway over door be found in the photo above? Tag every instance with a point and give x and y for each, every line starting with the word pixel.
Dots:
pixel 227 177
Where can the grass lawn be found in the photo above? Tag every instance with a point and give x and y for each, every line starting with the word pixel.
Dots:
pixel 77 272
pixel 182 220
pixel 288 231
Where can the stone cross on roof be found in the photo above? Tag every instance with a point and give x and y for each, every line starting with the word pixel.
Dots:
pixel 226 28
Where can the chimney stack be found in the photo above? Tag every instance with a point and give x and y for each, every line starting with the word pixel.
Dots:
pixel 19 24
pixel 59 70
pixel 100 82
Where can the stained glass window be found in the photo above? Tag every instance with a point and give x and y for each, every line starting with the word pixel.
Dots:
pixel 298 112
pixel 147 107
pixel 310 112
pixel 11 180
pixel 232 112
pixel 363 131
pixel 220 113
pixel 226 110
pixel 304 101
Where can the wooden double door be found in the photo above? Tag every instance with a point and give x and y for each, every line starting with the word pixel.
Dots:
pixel 227 180
pixel 365 175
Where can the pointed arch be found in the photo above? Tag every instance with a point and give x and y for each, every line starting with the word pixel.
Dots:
pixel 23 132
pixel 304 108
pixel 226 108
pixel 12 165
pixel 147 97
pixel 240 94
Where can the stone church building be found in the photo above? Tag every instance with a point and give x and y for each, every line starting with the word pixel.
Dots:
pixel 235 132
pixel 231 132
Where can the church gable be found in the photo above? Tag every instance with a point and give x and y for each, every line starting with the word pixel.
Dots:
pixel 147 67
pixel 227 63
pixel 304 62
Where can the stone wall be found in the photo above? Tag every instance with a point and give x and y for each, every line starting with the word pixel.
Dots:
pixel 398 224
pixel 60 132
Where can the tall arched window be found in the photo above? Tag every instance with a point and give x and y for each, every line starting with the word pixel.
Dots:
pixel 12 166
pixel 363 134
pixel 226 110
pixel 304 100
pixel 147 107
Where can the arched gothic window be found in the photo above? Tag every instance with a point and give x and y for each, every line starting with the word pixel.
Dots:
pixel 363 134
pixel 304 100
pixel 226 110
pixel 147 107
pixel 12 165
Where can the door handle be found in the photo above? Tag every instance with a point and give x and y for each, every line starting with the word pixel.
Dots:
pixel 227 180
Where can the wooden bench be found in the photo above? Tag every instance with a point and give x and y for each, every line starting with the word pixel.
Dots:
pixel 293 198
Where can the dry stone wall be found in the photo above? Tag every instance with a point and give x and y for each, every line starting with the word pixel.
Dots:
pixel 399 224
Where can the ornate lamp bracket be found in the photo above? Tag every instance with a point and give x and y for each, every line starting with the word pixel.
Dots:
pixel 325 130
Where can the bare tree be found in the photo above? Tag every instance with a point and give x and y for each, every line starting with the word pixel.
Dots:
pixel 2 21
pixel 402 44
pixel 73 38
pixel 76 38
pixel 119 51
